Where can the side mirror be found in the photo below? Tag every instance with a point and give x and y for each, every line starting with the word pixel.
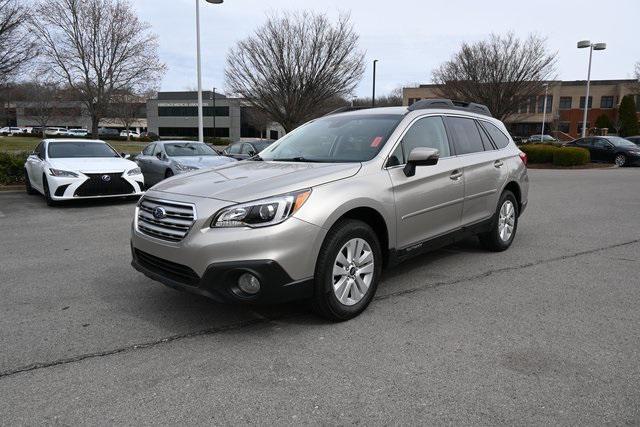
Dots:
pixel 126 156
pixel 159 156
pixel 421 156
pixel 252 153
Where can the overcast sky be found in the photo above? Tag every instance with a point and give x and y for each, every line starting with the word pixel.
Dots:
pixel 408 37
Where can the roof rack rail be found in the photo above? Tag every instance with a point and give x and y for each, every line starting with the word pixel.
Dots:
pixel 346 109
pixel 449 104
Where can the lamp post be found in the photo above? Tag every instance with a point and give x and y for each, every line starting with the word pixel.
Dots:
pixel 200 119
pixel 373 97
pixel 544 111
pixel 592 46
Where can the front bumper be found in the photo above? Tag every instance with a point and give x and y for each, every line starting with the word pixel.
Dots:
pixel 82 187
pixel 219 281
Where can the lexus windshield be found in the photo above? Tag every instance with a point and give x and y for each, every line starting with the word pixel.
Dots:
pixel 345 138
pixel 188 149
pixel 72 149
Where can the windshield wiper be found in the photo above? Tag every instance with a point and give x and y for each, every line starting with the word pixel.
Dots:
pixel 295 159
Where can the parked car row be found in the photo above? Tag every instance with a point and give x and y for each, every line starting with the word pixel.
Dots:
pixel 76 132
pixel 609 149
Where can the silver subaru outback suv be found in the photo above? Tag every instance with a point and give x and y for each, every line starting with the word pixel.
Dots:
pixel 322 211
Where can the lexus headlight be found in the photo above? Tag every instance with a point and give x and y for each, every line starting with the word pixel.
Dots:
pixel 62 174
pixel 261 213
pixel 185 168
pixel 134 171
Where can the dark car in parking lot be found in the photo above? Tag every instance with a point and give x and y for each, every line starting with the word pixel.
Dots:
pixel 634 139
pixel 245 149
pixel 609 149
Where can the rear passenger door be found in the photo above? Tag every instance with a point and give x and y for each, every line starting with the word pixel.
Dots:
pixel 483 166
pixel 428 204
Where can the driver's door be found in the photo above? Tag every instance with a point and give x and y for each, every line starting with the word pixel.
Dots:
pixel 35 166
pixel 428 204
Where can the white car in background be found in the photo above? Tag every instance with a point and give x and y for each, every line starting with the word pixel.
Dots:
pixel 69 169
pixel 77 132
pixel 10 131
pixel 132 134
pixel 53 131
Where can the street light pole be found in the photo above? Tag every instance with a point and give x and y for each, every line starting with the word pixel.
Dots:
pixel 199 70
pixel 373 97
pixel 544 110
pixel 213 95
pixel 592 46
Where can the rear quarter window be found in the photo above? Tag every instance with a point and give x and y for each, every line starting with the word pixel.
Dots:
pixel 499 138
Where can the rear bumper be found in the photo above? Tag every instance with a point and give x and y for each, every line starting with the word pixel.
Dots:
pixel 219 282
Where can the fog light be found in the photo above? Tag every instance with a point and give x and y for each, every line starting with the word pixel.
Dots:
pixel 248 283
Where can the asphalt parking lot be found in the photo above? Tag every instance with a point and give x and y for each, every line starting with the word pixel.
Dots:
pixel 547 332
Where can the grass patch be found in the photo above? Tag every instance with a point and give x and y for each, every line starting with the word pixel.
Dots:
pixel 17 144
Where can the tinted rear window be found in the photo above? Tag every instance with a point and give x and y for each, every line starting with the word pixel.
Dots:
pixel 499 138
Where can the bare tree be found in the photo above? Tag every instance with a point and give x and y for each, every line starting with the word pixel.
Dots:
pixel 98 48
pixel 17 45
pixel 125 108
pixel 43 97
pixel 294 64
pixel 499 72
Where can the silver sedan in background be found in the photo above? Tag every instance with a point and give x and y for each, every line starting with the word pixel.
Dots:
pixel 163 159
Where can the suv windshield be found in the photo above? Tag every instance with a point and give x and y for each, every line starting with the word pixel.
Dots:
pixel 183 149
pixel 71 149
pixel 345 138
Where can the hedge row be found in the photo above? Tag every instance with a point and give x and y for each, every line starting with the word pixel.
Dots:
pixel 559 156
pixel 12 167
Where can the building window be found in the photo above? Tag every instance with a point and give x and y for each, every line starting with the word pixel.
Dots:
pixel 221 132
pixel 606 102
pixel 565 102
pixel 580 127
pixel 564 127
pixel 523 106
pixel 541 103
pixel 582 102
pixel 532 104
pixel 191 111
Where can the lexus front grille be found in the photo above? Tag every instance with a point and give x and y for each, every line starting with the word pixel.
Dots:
pixel 164 219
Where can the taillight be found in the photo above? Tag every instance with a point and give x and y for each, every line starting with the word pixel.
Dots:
pixel 523 157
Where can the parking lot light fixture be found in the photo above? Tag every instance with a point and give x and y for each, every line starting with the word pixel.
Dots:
pixel 199 70
pixel 592 46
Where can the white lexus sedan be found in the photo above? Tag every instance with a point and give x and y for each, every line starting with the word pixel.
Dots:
pixel 69 169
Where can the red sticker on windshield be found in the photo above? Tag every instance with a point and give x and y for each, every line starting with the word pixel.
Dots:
pixel 376 141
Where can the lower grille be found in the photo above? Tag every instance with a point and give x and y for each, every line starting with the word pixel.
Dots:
pixel 178 272
pixel 165 220
pixel 60 190
pixel 104 184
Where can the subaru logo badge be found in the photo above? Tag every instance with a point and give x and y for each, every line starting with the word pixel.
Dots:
pixel 159 212
pixel 106 178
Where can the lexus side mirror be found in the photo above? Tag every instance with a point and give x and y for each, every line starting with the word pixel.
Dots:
pixel 421 156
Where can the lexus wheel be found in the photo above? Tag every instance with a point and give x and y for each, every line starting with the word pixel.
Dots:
pixel 347 271
pixel 620 160
pixel 168 173
pixel 503 225
pixel 47 193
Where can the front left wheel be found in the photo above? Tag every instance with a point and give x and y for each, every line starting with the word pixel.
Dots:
pixel 347 271
pixel 621 160
pixel 27 184
pixel 47 193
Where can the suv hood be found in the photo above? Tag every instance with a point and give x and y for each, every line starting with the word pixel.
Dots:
pixel 203 161
pixel 249 180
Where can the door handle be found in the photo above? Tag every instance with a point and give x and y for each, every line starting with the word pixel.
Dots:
pixel 498 163
pixel 455 175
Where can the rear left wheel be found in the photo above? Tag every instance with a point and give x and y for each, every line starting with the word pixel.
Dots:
pixel 621 160
pixel 503 225
pixel 347 271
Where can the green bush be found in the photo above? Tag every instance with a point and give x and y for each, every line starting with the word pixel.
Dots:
pixel 571 156
pixel 539 153
pixel 12 167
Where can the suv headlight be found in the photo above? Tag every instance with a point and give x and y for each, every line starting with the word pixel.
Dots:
pixel 261 213
pixel 185 168
pixel 62 174
pixel 134 171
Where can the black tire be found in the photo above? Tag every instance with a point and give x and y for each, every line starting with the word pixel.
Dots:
pixel 47 193
pixel 27 184
pixel 620 160
pixel 168 173
pixel 325 303
pixel 492 240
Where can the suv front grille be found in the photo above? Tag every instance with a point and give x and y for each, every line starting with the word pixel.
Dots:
pixel 178 272
pixel 165 220
pixel 104 184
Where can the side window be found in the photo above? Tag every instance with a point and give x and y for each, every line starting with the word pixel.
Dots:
pixel 428 132
pixel 235 148
pixel 486 141
pixel 246 149
pixel 600 143
pixel 148 150
pixel 39 150
pixel 466 137
pixel 499 138
pixel 396 158
pixel 157 148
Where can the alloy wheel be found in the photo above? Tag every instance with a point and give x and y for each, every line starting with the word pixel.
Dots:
pixel 620 160
pixel 353 271
pixel 506 220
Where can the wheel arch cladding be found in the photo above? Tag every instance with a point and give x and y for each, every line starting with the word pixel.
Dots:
pixel 515 189
pixel 376 221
